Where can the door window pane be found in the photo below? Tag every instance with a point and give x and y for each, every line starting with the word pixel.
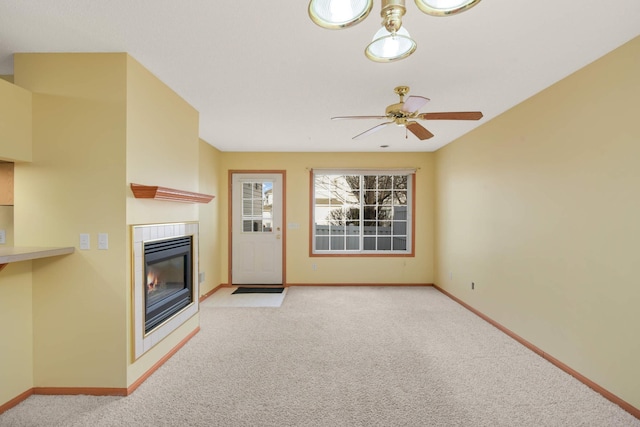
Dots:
pixel 257 207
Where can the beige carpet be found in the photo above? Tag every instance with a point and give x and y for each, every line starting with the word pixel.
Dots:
pixel 345 356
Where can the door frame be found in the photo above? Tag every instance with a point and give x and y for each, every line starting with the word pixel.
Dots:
pixel 283 176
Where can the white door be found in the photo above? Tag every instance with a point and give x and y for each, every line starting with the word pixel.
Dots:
pixel 256 229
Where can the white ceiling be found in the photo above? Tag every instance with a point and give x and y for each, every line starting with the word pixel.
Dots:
pixel 264 77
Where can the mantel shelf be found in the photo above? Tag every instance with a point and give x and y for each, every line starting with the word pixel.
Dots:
pixel 164 193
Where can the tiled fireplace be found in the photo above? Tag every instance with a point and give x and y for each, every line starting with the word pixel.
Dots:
pixel 165 280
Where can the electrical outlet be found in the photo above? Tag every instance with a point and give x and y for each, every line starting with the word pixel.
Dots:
pixel 3 237
pixel 473 285
pixel 314 267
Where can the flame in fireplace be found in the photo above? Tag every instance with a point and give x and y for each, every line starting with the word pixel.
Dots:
pixel 152 282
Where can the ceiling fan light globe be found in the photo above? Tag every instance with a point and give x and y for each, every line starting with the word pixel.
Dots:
pixel 445 7
pixel 339 14
pixel 389 47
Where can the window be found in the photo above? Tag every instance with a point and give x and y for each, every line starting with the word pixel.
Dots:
pixel 257 203
pixel 359 213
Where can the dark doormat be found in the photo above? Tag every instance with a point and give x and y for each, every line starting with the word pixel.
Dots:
pixel 249 290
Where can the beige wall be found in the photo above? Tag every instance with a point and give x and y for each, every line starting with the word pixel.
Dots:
pixel 16 331
pixel 16 327
pixel 539 207
pixel 210 231
pixel 410 270
pixel 162 149
pixel 75 185
pixel 15 122
pixel 100 121
pixel 15 139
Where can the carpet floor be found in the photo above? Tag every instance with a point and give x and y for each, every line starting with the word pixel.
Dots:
pixel 344 356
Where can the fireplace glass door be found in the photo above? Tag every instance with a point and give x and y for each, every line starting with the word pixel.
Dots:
pixel 168 273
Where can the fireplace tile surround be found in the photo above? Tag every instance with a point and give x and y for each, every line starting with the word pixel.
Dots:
pixel 143 342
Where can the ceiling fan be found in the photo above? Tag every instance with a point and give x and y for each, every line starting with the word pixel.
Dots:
pixel 404 114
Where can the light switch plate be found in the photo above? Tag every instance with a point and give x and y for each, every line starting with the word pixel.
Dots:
pixel 3 237
pixel 103 241
pixel 85 241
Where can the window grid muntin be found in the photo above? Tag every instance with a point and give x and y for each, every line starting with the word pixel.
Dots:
pixel 384 206
pixel 257 206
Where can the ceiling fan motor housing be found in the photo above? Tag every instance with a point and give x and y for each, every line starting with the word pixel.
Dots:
pixel 394 111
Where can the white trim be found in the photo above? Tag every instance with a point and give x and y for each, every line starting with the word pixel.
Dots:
pixel 257 257
pixel 352 171
pixel 409 220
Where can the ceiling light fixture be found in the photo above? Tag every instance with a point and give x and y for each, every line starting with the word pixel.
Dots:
pixel 391 42
pixel 339 14
pixel 445 7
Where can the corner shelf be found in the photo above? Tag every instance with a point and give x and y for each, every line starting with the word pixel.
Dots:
pixel 164 193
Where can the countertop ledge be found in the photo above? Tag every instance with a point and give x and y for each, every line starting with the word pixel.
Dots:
pixel 25 253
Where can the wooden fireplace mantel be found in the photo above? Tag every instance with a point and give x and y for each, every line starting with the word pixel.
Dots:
pixel 163 193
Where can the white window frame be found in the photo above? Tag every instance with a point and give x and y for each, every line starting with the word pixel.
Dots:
pixel 409 222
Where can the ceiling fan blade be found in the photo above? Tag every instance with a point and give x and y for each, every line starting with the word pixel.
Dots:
pixel 357 117
pixel 418 130
pixel 372 130
pixel 459 115
pixel 414 103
